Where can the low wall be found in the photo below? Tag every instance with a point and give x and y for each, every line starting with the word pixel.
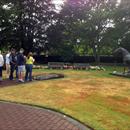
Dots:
pixel 41 59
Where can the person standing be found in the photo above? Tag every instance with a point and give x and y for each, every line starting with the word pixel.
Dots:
pixel 7 62
pixel 1 65
pixel 13 64
pixel 16 68
pixel 21 65
pixel 29 66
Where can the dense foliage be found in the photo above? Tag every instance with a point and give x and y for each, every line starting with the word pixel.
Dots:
pixel 81 27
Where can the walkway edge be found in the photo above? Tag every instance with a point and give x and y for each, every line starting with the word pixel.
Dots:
pixel 74 121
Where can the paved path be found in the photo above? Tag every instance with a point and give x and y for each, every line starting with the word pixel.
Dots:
pixel 8 83
pixel 22 117
pixel 44 76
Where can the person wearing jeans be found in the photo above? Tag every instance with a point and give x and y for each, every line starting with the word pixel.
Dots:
pixel 29 66
pixel 1 65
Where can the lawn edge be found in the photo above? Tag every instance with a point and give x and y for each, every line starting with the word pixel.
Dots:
pixel 51 109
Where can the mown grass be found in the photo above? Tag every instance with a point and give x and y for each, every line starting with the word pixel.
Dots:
pixel 96 98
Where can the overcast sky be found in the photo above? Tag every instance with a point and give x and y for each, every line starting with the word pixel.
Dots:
pixel 58 2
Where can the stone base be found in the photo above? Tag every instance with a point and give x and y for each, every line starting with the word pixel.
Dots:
pixel 48 76
pixel 127 75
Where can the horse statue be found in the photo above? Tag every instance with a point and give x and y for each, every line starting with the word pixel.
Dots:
pixel 125 55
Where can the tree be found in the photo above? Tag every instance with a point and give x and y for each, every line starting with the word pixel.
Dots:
pixel 88 21
pixel 6 23
pixel 122 24
pixel 31 19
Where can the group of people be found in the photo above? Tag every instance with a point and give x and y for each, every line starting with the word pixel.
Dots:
pixel 19 63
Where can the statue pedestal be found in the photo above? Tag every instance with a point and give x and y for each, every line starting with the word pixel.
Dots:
pixel 48 76
pixel 121 74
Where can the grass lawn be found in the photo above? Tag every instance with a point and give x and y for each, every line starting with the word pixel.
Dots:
pixel 96 98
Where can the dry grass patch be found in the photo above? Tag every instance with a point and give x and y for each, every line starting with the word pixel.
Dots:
pixel 97 99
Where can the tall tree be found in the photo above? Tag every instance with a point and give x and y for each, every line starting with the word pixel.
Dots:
pixel 35 18
pixel 122 26
pixel 31 19
pixel 6 23
pixel 89 22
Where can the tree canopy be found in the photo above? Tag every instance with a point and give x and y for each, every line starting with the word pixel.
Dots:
pixel 80 27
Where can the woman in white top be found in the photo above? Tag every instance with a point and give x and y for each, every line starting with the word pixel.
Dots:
pixel 7 61
pixel 1 65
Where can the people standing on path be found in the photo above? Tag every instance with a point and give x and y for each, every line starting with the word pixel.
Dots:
pixel 21 65
pixel 29 66
pixel 7 63
pixel 13 64
pixel 1 65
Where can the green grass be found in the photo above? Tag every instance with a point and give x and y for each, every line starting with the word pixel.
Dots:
pixel 96 98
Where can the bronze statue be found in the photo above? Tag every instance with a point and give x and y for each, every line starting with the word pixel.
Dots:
pixel 125 55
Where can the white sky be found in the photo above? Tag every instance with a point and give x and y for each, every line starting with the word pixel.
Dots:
pixel 58 2
pixel 119 1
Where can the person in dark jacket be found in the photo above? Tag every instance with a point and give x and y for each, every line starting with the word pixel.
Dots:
pixel 13 64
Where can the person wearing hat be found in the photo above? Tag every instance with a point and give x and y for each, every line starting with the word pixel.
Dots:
pixel 1 65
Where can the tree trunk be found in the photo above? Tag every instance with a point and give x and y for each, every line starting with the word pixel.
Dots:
pixel 96 55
